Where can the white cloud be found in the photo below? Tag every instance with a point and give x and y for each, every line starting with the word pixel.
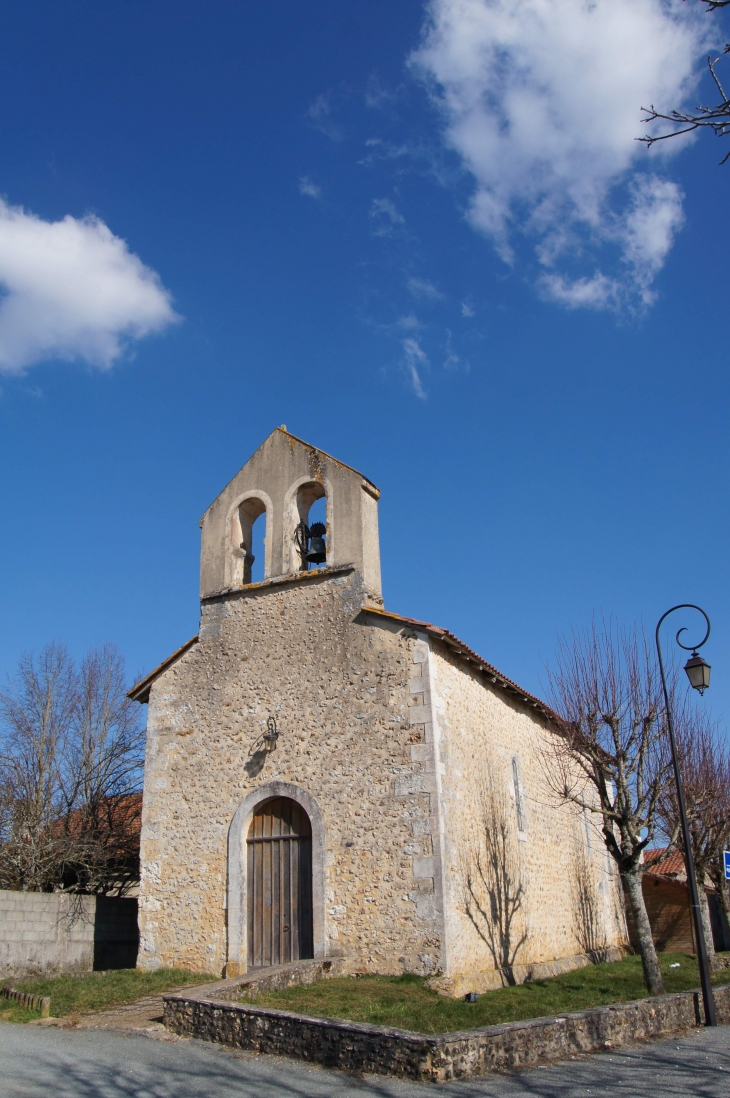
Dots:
pixel 541 100
pixel 467 309
pixel 409 323
pixel 308 187
pixel 423 290
pixel 385 216
pixel 415 359
pixel 72 290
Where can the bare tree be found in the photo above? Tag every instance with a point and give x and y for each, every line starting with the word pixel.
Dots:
pixel 37 714
pixel 102 769
pixel 493 892
pixel 715 118
pixel 705 766
pixel 70 758
pixel 607 755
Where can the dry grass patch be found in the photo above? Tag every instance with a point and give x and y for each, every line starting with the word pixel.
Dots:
pixel 97 990
pixel 406 1002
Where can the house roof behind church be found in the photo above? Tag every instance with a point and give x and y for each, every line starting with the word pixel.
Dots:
pixel 660 864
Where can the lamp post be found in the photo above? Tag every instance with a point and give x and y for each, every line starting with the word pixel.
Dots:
pixel 698 673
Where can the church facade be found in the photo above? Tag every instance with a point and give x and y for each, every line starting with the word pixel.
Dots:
pixel 326 778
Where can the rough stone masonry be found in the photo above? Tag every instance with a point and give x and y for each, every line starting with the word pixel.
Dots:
pixel 435 845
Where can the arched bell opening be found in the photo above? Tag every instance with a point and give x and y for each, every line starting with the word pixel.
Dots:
pixel 310 534
pixel 279 884
pixel 248 541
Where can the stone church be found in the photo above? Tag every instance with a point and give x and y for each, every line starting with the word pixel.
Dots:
pixel 327 778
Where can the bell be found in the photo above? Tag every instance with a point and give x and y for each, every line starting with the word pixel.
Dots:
pixel 317 552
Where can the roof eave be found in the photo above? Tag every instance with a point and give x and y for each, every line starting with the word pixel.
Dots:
pixel 473 658
pixel 141 691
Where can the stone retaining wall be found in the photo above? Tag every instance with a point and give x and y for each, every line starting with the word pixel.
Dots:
pixel 388 1051
pixel 259 981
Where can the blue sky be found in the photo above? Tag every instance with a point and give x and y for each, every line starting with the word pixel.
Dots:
pixel 460 276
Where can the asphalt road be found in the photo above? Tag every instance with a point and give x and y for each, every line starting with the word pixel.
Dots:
pixel 57 1063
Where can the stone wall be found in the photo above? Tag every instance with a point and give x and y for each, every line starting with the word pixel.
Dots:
pixel 50 932
pixel 390 741
pixel 385 1050
pixel 553 886
pixel 338 685
pixel 260 981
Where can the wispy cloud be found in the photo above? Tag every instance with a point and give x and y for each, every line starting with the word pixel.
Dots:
pixel 409 323
pixel 377 96
pixel 385 217
pixel 309 187
pixel 645 234
pixel 467 309
pixel 320 115
pixel 73 290
pixel 415 360
pixel 452 360
pixel 541 99
pixel 423 290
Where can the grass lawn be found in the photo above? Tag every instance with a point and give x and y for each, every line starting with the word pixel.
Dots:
pixel 97 991
pixel 406 1002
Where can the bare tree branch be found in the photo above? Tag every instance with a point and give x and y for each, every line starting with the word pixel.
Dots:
pixel 493 895
pixel 705 766
pixel 37 715
pixel 71 751
pixel 607 757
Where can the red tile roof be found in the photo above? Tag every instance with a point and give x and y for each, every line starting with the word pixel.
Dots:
pixel 661 864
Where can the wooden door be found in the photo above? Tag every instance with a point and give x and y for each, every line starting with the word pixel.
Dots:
pixel 279 884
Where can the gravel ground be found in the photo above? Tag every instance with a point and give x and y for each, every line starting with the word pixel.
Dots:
pixel 37 1062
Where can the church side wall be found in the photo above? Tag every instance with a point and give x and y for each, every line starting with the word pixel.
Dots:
pixel 543 891
pixel 337 681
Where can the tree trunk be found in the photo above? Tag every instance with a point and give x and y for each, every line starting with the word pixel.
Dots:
pixel 649 962
pixel 707 928
pixel 725 901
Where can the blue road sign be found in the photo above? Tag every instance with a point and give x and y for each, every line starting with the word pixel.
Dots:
pixel 727 864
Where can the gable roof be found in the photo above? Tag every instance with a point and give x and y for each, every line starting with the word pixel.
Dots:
pixel 141 692
pixel 375 491
pixel 324 453
pixel 469 656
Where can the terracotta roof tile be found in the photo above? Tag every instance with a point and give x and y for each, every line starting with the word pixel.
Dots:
pixel 657 862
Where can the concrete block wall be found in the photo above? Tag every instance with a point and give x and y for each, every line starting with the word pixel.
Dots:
pixel 52 932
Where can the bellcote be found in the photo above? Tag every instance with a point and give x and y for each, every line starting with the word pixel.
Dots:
pixel 281 481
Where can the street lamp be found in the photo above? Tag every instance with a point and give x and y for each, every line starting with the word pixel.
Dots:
pixel 698 673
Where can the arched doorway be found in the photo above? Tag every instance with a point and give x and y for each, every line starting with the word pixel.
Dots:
pixel 279 884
